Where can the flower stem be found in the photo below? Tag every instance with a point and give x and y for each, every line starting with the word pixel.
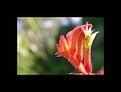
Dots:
pixel 87 60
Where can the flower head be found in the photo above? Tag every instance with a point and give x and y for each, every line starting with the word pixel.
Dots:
pixel 76 46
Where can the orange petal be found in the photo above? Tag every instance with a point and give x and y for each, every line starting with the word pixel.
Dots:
pixel 60 48
pixel 64 43
pixel 69 38
pixel 75 35
pixel 58 54
pixel 79 47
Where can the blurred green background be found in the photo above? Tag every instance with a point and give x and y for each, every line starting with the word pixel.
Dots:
pixel 36 44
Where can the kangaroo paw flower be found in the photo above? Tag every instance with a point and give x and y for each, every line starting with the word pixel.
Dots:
pixel 88 40
pixel 76 46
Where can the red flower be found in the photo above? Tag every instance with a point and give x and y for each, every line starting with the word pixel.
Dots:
pixel 76 46
pixel 100 72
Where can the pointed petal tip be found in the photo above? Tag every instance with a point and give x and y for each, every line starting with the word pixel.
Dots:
pixel 94 35
pixel 87 22
pixel 97 32
pixel 58 54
